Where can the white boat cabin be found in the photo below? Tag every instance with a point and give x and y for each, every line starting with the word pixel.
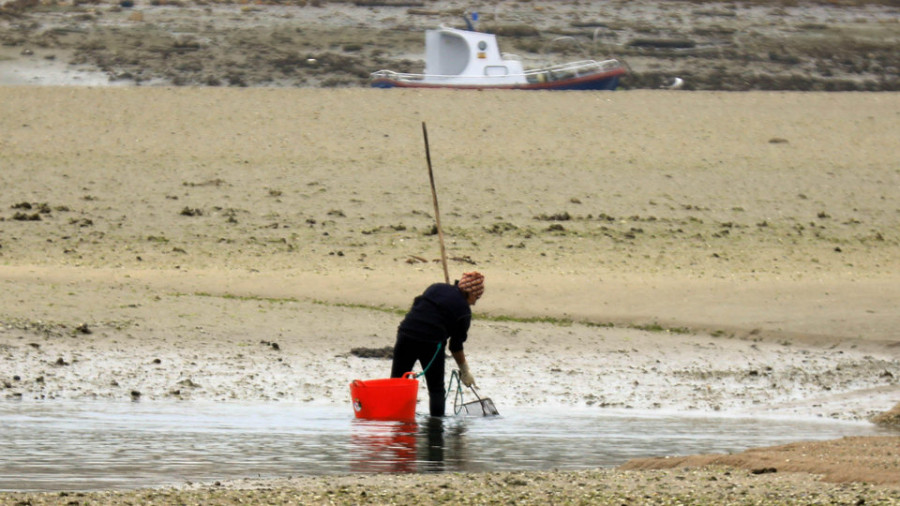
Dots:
pixel 454 56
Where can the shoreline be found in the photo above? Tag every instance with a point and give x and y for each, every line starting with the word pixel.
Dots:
pixel 748 371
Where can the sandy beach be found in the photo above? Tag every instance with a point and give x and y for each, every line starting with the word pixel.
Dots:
pixel 680 252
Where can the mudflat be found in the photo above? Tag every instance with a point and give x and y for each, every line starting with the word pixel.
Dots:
pixel 696 251
pixel 707 45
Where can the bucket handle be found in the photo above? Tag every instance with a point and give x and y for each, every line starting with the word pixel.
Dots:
pixel 407 375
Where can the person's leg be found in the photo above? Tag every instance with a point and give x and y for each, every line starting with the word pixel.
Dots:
pixel 434 450
pixel 434 378
pixel 405 355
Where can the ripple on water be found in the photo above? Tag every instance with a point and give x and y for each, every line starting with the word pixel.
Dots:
pixel 47 446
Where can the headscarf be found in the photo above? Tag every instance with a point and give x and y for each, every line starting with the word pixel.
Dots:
pixel 472 283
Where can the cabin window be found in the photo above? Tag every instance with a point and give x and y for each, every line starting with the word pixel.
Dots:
pixel 496 70
pixel 453 55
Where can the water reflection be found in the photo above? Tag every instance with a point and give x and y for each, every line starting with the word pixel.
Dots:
pixel 383 446
pixel 406 447
pixel 86 446
pixel 433 444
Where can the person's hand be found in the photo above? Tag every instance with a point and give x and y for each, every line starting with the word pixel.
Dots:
pixel 465 375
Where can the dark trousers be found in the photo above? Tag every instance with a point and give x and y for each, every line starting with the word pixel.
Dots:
pixel 406 352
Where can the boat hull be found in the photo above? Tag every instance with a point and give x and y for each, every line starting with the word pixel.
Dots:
pixel 606 81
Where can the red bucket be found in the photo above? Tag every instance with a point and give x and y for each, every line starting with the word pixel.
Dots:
pixel 385 399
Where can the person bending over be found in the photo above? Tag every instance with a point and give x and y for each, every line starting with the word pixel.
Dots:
pixel 442 312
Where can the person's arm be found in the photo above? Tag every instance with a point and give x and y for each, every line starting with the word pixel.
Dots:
pixel 464 375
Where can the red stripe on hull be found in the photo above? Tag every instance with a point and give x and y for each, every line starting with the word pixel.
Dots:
pixel 572 83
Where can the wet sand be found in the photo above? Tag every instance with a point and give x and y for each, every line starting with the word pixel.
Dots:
pixel 653 250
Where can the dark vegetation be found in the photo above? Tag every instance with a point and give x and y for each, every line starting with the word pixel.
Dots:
pixel 709 45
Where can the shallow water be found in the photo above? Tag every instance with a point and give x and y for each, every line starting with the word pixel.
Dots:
pixel 112 445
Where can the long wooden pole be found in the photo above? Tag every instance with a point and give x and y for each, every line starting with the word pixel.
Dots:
pixel 437 213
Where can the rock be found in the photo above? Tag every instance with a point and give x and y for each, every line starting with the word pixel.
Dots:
pixel 889 418
pixel 271 344
pixel 188 383
pixel 385 352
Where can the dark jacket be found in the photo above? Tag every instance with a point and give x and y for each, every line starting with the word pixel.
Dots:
pixel 440 312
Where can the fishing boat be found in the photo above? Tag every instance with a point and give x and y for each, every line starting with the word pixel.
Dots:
pixel 468 59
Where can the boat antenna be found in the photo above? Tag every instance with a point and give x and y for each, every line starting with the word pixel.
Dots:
pixel 470 23
pixel 437 213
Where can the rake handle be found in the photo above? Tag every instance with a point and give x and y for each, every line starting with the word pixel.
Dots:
pixel 437 213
